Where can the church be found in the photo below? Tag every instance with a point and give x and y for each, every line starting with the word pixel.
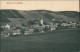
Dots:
pixel 42 22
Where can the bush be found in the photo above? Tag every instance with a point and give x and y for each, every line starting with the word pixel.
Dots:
pixel 46 29
pixel 36 30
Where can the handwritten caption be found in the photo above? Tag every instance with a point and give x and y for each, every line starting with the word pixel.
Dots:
pixel 14 2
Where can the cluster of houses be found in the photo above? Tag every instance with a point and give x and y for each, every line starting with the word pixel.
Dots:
pixel 36 28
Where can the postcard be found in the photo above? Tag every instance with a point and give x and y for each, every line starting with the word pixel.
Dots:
pixel 39 26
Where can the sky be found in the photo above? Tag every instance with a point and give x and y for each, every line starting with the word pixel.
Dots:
pixel 46 5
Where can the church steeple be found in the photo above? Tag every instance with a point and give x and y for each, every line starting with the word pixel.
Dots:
pixel 41 21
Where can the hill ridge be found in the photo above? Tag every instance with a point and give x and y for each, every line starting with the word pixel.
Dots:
pixel 23 16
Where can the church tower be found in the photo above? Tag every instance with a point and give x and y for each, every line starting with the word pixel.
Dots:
pixel 41 21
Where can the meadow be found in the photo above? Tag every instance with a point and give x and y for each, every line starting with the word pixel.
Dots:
pixel 54 41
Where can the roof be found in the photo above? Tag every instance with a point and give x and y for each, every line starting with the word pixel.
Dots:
pixel 16 31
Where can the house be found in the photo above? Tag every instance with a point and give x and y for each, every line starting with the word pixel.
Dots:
pixel 26 32
pixel 65 24
pixel 41 28
pixel 69 25
pixel 16 32
pixel 3 33
pixel 4 25
pixel 34 26
pixel 7 32
pixel 7 26
pixel 31 31
pixel 53 27
pixel 74 25
pixel 47 26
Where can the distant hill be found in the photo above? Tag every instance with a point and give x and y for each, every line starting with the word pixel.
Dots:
pixel 22 16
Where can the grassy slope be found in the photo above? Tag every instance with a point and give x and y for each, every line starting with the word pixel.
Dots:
pixel 73 15
pixel 49 15
pixel 19 17
pixel 5 14
pixel 55 41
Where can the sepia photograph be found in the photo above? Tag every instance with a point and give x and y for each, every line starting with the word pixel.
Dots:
pixel 39 26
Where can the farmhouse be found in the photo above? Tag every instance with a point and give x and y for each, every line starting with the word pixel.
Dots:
pixel 7 26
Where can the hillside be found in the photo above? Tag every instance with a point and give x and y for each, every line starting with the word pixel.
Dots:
pixel 22 16
pixel 5 14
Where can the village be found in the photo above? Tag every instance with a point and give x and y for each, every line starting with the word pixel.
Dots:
pixel 36 26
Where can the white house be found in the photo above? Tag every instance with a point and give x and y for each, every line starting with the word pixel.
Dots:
pixel 27 32
pixel 53 27
pixel 16 32
pixel 7 26
pixel 31 31
pixel 65 24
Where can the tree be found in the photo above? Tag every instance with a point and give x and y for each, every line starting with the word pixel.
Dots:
pixel 1 29
pixel 36 30
pixel 59 26
pixel 33 22
pixel 22 31
pixel 23 25
pixel 30 23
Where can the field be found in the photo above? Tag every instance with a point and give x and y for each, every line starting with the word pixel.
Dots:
pixel 55 41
